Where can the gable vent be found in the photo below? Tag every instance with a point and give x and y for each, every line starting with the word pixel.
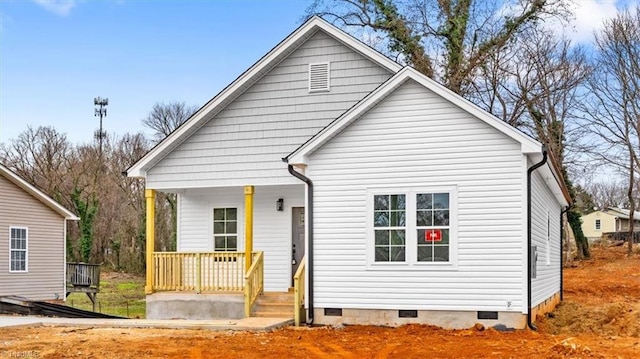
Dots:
pixel 319 77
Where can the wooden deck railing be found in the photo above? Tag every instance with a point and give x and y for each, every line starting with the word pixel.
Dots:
pixel 253 283
pixel 83 276
pixel 199 272
pixel 298 293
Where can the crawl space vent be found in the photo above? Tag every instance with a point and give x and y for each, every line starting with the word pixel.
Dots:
pixel 487 315
pixel 407 313
pixel 333 312
pixel 319 77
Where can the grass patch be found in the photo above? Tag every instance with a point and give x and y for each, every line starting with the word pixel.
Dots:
pixel 120 294
pixel 129 287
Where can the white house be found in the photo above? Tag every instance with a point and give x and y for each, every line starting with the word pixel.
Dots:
pixel 33 232
pixel 409 203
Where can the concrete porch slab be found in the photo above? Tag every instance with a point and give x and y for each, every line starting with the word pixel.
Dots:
pixel 244 324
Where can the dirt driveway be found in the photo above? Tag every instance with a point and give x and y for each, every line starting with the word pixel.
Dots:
pixel 600 318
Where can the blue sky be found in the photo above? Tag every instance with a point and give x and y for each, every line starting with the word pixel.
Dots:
pixel 57 55
pixel 54 59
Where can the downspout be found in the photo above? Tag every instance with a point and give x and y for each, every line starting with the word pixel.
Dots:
pixel 565 210
pixel 529 172
pixel 309 210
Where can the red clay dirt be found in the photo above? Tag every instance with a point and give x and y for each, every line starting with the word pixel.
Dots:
pixel 599 318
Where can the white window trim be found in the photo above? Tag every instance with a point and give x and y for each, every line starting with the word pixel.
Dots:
pixel 411 240
pixel 226 204
pixel 595 224
pixel 237 234
pixel 26 250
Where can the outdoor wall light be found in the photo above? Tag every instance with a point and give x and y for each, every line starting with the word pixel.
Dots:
pixel 280 205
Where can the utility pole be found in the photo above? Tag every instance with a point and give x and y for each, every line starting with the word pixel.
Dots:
pixel 101 111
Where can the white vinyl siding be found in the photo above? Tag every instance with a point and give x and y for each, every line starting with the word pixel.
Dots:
pixel 45 243
pixel 544 206
pixel 246 141
pixel 271 228
pixel 415 139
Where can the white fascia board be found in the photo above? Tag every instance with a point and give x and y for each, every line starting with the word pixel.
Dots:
pixel 299 156
pixel 32 190
pixel 356 44
pixel 554 184
pixel 251 75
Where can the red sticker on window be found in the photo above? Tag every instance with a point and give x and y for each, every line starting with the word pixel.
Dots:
pixel 433 235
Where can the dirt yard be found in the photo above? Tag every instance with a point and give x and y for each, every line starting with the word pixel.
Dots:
pixel 599 318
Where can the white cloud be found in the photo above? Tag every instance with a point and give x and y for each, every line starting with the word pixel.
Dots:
pixel 58 7
pixel 589 18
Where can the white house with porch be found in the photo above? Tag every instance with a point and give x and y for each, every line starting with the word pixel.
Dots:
pixel 329 178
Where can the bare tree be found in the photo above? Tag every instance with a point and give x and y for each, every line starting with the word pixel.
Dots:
pixel 43 157
pixel 607 194
pixel 444 39
pixel 549 75
pixel 165 118
pixel 614 108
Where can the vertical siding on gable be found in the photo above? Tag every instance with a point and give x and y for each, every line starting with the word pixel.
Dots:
pixel 247 139
pixel 271 229
pixel 46 246
pixel 547 281
pixel 414 139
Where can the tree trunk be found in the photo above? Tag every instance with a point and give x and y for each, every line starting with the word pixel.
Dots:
pixel 632 207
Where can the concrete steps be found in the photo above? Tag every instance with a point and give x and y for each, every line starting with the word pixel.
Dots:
pixel 274 305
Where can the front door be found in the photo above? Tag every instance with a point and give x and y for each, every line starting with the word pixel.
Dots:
pixel 297 240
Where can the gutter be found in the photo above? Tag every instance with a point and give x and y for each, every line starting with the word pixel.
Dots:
pixel 565 210
pixel 309 210
pixel 529 172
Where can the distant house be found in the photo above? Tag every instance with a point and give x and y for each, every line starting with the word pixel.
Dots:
pixel 609 220
pixel 378 194
pixel 33 231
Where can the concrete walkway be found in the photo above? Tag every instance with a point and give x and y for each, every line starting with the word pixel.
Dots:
pixel 250 324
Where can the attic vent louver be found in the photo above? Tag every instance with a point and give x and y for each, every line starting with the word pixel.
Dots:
pixel 319 77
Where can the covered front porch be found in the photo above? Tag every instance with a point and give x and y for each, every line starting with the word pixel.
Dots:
pixel 230 283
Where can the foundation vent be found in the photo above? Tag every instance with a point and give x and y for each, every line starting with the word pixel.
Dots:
pixel 487 315
pixel 407 314
pixel 333 312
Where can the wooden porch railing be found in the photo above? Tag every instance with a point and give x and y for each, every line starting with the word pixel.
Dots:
pixel 298 293
pixel 199 272
pixel 253 283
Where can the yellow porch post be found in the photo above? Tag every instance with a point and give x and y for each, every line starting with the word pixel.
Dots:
pixel 248 227
pixel 150 195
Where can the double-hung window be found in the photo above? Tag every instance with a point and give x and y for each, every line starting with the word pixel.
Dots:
pixel 598 225
pixel 389 221
pixel 432 224
pixel 18 249
pixel 225 229
pixel 412 227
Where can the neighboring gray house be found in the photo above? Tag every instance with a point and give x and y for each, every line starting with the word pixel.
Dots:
pixel 32 240
pixel 409 203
